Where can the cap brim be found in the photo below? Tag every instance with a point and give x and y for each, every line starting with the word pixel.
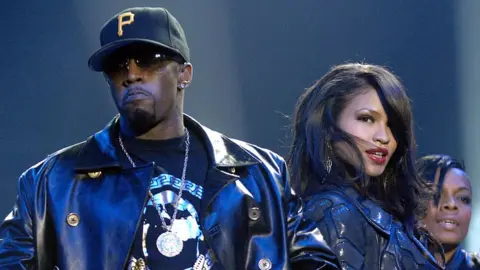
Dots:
pixel 96 60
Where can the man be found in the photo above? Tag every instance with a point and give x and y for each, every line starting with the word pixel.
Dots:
pixel 154 189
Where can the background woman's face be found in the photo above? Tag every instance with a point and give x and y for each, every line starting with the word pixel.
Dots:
pixel 448 221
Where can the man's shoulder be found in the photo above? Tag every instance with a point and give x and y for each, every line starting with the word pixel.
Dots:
pixel 61 156
pixel 68 151
pixel 269 162
pixel 215 137
pixel 257 150
pixel 263 155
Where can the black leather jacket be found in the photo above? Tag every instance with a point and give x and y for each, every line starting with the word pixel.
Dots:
pixel 362 234
pixel 463 260
pixel 80 209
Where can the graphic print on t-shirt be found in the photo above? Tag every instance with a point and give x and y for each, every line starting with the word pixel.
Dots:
pixel 186 226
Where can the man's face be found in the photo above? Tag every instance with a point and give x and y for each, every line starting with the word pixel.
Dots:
pixel 144 83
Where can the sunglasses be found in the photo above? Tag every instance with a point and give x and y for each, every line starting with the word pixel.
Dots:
pixel 148 59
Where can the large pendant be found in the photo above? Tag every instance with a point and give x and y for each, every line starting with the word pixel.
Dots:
pixel 169 244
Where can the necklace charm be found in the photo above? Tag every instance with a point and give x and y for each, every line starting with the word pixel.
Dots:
pixel 169 244
pixel 139 265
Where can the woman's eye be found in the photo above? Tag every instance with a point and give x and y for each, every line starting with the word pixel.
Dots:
pixel 466 199
pixel 366 119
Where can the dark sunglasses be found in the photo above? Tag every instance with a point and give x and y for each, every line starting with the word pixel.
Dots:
pixel 144 58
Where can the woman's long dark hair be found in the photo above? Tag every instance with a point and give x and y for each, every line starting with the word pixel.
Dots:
pixel 315 129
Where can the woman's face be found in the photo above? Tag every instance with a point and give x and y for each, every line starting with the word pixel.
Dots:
pixel 448 221
pixel 366 120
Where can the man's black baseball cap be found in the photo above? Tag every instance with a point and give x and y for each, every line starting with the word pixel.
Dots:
pixel 140 24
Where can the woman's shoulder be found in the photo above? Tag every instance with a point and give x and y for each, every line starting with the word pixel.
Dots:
pixel 347 206
pixel 333 201
pixel 464 260
pixel 472 260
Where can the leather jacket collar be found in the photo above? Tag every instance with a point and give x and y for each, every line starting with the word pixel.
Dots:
pixel 100 153
pixel 374 214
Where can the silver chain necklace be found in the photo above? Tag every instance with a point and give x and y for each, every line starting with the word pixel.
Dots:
pixel 168 243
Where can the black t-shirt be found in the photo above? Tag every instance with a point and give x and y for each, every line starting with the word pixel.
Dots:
pixel 169 156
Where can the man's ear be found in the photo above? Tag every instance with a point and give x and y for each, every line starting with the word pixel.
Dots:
pixel 186 75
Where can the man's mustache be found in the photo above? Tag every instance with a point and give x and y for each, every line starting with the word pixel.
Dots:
pixel 134 90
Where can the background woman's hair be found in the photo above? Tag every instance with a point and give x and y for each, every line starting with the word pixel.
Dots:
pixel 427 167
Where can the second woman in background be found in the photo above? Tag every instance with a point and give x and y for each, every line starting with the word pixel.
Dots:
pixel 448 213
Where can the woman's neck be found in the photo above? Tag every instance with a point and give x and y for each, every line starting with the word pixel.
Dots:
pixel 449 253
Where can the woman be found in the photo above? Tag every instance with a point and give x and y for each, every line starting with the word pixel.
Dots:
pixel 352 161
pixel 448 213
